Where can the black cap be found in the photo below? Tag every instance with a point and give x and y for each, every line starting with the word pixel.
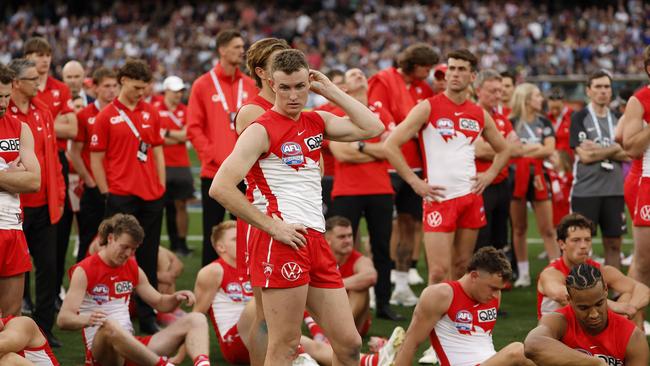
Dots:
pixel 556 94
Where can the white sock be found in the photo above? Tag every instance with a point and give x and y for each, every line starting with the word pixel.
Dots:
pixel 401 280
pixel 523 268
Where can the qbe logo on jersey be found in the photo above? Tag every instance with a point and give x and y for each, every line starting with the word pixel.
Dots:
pixel 487 315
pixel 10 145
pixel 469 125
pixel 314 142
pixel 292 154
pixel 123 287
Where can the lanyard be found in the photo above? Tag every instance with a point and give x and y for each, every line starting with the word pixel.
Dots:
pixel 128 122
pixel 96 102
pixel 175 119
pixel 559 119
pixel 222 96
pixel 529 131
pixel 597 125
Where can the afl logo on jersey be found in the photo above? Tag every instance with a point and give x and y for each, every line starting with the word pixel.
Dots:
pixel 445 127
pixel 464 320
pixel 487 315
pixel 292 153
pixel 314 142
pixel 10 145
pixel 234 291
pixel 99 293
pixel 123 287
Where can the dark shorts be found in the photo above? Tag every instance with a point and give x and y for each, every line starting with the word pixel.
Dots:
pixel 180 184
pixel 406 200
pixel 607 212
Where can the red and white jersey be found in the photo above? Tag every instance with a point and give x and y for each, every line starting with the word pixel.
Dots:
pixel 447 141
pixel 231 299
pixel 547 305
pixel 643 95
pixel 347 268
pixel 609 345
pixel 10 212
pixel 109 289
pixel 288 175
pixel 463 336
pixel 39 356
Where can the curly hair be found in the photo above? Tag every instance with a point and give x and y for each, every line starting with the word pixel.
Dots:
pixel 584 276
pixel 492 261
pixel 120 224
pixel 135 69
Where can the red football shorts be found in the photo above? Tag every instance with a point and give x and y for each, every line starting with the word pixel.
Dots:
pixel 90 361
pixel 465 212
pixel 243 249
pixel 276 265
pixel 14 254
pixel 232 347
pixel 630 190
pixel 641 215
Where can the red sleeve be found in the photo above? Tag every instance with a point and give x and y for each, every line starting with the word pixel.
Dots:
pixel 196 118
pixel 378 93
pixel 82 132
pixel 66 100
pixel 99 139
pixel 158 140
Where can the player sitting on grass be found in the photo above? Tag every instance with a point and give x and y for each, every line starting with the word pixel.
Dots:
pixel 23 343
pixel 227 296
pixel 574 234
pixel 586 332
pixel 459 316
pixel 98 303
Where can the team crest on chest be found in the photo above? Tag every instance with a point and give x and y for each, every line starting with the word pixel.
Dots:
pixel 464 321
pixel 99 293
pixel 292 154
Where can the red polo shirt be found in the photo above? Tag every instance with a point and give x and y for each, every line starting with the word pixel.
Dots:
pixel 58 99
pixel 328 158
pixel 505 127
pixel 52 191
pixel 86 122
pixel 175 155
pixel 209 127
pixel 125 174
pixel 359 179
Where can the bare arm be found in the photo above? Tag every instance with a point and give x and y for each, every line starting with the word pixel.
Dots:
pixel 252 143
pixel 483 150
pixel 402 133
pixel 598 153
pixel 24 175
pixel 78 164
pixel 247 115
pixel 69 317
pixel 65 126
pixel 360 122
pixel 638 294
pixel 434 302
pixel 543 345
pixel 158 301
pixel 636 136
pixel 636 353
pixel 498 144
pixel 159 158
pixel 207 284
pixel 179 135
pixel 364 276
pixel 544 152
pixel 551 284
pixel 97 166
pixel 348 152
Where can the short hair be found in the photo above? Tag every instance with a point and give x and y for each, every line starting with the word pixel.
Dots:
pixel 556 93
pixel 418 54
pixel 103 73
pixel 225 36
pixel 19 65
pixel 7 75
pixel 259 53
pixel 289 61
pixel 597 75
pixel 509 74
pixel 576 221
pixel 646 59
pixel 218 231
pixel 120 224
pixel 334 73
pixel 465 55
pixel 37 45
pixel 135 69
pixel 335 221
pixel 486 75
pixel 492 261
pixel 584 276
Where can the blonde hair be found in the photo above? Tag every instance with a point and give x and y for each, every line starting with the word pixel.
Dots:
pixel 520 99
pixel 218 231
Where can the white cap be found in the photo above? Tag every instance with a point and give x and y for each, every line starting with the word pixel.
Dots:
pixel 173 83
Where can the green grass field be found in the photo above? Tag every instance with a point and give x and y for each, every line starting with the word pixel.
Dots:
pixel 519 304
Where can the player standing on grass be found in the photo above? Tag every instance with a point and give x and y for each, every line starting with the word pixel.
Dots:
pixel 290 259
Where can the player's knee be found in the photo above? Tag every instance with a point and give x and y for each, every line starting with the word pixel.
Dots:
pixel 519 228
pixel 195 320
pixel 111 330
pixel 515 351
pixel 438 273
pixel 349 345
